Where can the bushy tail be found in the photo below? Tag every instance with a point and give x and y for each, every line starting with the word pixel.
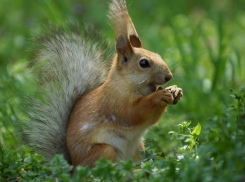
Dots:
pixel 69 63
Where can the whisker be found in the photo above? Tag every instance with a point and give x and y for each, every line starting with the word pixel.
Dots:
pixel 175 66
pixel 148 80
pixel 169 115
pixel 143 81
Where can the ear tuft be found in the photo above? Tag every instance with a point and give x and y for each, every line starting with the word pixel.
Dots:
pixel 122 23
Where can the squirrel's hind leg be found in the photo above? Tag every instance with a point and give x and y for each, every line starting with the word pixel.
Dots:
pixel 96 151
pixel 137 157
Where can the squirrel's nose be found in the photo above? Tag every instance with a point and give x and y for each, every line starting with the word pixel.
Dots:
pixel 168 77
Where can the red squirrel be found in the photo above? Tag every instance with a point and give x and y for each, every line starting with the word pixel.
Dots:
pixel 91 104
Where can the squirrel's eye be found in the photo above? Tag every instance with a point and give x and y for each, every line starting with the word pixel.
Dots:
pixel 144 63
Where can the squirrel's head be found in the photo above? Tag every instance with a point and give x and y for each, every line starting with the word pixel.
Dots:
pixel 142 70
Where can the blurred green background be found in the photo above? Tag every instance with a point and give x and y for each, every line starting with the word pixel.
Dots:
pixel 201 41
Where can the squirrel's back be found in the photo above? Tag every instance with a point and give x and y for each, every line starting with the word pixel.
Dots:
pixel 68 63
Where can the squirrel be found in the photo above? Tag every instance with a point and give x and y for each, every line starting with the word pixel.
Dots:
pixel 90 104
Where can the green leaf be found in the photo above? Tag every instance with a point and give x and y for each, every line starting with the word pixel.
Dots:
pixel 197 130
pixel 171 132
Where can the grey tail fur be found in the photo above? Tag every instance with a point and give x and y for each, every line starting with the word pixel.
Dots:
pixel 69 63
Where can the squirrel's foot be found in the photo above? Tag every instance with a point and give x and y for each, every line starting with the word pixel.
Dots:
pixel 176 92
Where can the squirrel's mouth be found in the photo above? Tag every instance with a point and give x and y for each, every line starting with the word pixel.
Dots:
pixel 153 87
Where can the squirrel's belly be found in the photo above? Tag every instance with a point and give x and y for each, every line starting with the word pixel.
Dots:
pixel 124 142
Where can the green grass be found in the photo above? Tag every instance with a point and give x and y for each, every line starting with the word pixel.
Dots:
pixel 203 44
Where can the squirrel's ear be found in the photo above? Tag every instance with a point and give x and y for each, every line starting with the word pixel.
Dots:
pixel 123 46
pixel 124 49
pixel 135 41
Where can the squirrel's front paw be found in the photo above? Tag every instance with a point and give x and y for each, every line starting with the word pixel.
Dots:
pixel 165 96
pixel 176 92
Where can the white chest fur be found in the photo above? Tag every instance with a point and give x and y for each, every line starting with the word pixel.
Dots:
pixel 124 141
